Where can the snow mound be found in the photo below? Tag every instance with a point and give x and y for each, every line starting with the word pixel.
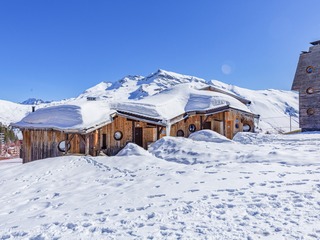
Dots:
pixel 261 190
pixel 132 149
pixel 208 136
pixel 178 149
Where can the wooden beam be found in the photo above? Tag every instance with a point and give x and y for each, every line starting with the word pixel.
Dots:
pixel 66 144
pixel 99 140
pixel 224 123
pixel 70 139
pixel 159 130
pixel 133 131
pixel 203 121
pixel 87 145
pixel 82 138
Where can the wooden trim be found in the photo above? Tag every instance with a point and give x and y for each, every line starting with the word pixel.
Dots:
pixel 87 145
pixel 204 121
pixel 159 130
pixel 82 138
pixel 224 123
pixel 133 131
pixel 66 144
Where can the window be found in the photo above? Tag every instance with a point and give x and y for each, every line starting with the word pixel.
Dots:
pixel 309 69
pixel 236 125
pixel 62 146
pixel 180 133
pixel 246 128
pixel 310 111
pixel 118 135
pixel 310 90
pixel 192 128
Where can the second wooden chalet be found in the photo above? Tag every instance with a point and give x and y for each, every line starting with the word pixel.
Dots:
pixel 93 127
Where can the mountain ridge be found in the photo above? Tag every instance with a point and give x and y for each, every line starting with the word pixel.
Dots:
pixel 275 107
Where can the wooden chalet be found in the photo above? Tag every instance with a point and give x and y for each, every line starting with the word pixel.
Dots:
pixel 142 122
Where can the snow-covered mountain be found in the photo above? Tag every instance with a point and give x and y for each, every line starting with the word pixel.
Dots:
pixel 12 112
pixel 34 101
pixel 275 107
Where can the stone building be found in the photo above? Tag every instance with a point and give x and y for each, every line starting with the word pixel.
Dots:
pixel 307 83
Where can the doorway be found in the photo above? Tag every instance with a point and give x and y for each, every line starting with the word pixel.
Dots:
pixel 206 125
pixel 138 134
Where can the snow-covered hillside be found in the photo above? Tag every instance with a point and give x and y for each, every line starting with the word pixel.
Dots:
pixel 259 186
pixel 276 107
pixel 12 112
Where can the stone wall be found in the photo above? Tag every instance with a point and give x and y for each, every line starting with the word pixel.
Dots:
pixel 307 83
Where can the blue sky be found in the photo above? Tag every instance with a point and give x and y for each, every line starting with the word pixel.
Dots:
pixel 57 49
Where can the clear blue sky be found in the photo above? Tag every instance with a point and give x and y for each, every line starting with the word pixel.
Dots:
pixel 56 49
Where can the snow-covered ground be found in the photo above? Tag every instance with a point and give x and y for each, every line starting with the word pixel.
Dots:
pixel 254 187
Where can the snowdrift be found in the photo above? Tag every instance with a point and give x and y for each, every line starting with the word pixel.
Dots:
pixel 248 189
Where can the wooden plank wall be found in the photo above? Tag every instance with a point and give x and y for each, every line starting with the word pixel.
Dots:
pixel 39 144
pixel 216 121
pixel 223 123
pixel 119 124
pixel 126 127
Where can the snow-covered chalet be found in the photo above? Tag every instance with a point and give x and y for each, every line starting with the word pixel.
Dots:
pixel 93 127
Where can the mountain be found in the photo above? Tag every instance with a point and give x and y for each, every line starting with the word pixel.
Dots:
pixel 12 112
pixel 34 101
pixel 278 109
pixel 137 87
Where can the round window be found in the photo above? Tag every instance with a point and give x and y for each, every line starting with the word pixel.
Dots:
pixel 180 133
pixel 310 90
pixel 310 111
pixel 246 128
pixel 309 69
pixel 192 128
pixel 118 135
pixel 62 146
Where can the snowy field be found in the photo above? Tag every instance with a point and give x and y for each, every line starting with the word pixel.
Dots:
pixel 206 187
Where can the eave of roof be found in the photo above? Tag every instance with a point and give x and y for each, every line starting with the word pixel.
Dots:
pixel 215 89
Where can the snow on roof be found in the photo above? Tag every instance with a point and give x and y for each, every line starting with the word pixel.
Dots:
pixel 179 100
pixel 84 116
pixel 80 116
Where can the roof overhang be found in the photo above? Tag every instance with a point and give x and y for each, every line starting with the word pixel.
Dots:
pixel 215 89
pixel 142 118
pixel 65 130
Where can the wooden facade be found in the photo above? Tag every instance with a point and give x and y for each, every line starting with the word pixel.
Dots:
pixel 39 144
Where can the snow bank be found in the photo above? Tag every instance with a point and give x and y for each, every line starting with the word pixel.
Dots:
pixel 239 191
pixel 182 150
pixel 208 136
pixel 132 149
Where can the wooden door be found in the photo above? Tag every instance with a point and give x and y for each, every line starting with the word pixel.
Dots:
pixel 138 136
pixel 104 141
pixel 229 131
pixel 206 125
